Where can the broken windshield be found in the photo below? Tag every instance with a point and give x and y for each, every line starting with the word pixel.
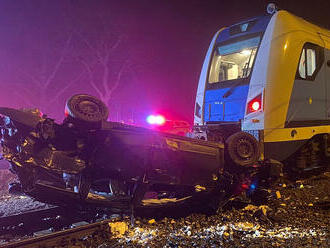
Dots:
pixel 234 60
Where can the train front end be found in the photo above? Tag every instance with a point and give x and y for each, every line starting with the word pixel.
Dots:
pixel 229 100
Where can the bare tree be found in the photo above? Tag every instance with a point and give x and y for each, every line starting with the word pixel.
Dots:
pixel 44 85
pixel 105 70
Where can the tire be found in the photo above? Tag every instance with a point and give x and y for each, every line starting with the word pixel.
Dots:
pixel 86 108
pixel 242 149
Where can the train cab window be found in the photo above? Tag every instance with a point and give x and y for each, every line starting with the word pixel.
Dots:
pixel 302 65
pixel 311 60
pixel 233 60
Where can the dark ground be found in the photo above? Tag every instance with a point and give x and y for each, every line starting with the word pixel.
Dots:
pixel 14 204
pixel 295 215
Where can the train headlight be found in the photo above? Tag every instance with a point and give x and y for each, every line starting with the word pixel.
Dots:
pixel 254 105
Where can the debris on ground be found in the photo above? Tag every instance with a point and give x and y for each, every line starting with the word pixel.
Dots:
pixel 299 218
pixel 118 229
pixel 293 220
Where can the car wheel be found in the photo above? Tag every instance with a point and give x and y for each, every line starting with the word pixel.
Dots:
pixel 86 108
pixel 242 149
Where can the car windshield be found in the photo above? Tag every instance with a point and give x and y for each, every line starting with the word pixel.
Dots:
pixel 234 60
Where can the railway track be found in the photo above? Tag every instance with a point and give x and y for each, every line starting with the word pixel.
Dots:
pixel 55 225
pixel 30 220
pixel 75 236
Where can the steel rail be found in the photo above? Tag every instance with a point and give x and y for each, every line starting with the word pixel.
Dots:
pixel 63 238
pixel 13 220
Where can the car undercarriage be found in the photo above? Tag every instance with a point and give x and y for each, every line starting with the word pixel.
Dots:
pixel 87 160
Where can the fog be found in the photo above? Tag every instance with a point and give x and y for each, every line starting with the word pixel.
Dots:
pixel 140 57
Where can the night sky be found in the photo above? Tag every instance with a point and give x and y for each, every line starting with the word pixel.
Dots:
pixel 158 45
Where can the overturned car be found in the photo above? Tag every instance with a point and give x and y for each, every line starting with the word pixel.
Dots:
pixel 88 160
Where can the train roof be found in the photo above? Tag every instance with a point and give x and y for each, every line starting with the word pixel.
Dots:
pixel 291 23
pixel 288 21
pixel 254 25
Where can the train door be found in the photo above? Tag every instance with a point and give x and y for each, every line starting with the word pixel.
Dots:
pixel 327 78
pixel 309 94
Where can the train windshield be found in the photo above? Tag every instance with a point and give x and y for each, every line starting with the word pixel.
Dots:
pixel 234 60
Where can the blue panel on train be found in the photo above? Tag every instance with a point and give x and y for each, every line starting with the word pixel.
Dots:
pixel 251 26
pixel 230 108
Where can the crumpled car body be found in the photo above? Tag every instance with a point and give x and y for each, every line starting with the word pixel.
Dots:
pixel 110 163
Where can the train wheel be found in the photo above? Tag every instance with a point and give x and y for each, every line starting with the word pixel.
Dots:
pixel 86 108
pixel 242 149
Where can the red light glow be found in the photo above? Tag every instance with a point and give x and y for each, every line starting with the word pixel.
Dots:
pixel 156 120
pixel 255 105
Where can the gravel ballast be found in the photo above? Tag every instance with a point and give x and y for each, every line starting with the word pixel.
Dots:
pixel 296 214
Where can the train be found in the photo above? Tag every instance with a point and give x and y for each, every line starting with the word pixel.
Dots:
pixel 264 91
